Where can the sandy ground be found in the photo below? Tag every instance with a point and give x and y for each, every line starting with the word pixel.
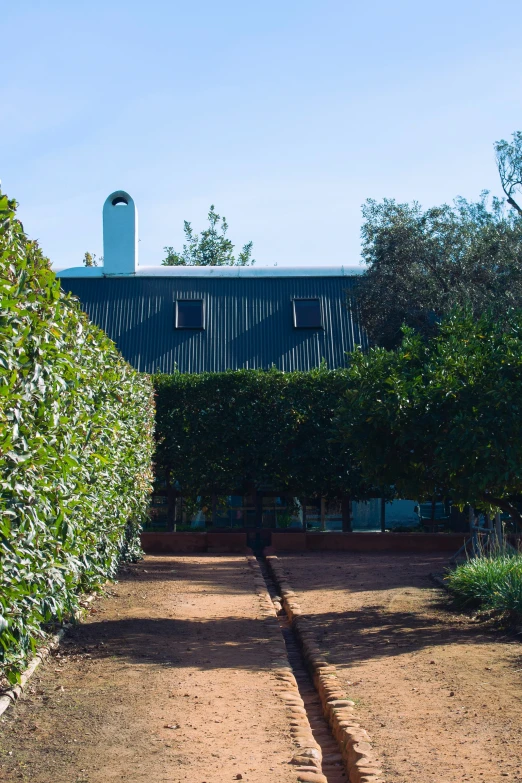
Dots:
pixel 169 679
pixel 440 695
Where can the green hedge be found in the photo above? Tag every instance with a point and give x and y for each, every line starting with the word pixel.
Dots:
pixel 245 429
pixel 443 417
pixel 76 438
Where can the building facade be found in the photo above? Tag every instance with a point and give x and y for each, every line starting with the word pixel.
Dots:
pixel 199 319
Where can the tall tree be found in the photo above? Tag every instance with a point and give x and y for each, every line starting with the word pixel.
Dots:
pixel 421 264
pixel 210 248
pixel 509 162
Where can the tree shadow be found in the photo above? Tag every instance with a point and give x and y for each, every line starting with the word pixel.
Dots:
pixel 218 573
pixel 220 643
pixel 368 627
pixel 373 632
pixel 366 571
pixel 150 632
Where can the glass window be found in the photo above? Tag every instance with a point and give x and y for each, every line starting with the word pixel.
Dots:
pixel 189 314
pixel 307 314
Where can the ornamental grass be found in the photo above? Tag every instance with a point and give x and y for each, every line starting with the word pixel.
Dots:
pixel 489 582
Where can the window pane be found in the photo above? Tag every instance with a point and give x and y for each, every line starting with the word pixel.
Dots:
pixel 190 314
pixel 307 313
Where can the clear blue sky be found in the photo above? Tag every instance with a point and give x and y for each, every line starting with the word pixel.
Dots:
pixel 286 115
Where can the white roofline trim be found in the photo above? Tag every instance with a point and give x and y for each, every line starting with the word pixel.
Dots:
pixel 220 271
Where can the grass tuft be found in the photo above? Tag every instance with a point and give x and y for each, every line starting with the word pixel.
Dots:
pixel 489 582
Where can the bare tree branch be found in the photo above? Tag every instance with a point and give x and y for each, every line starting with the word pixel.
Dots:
pixel 509 164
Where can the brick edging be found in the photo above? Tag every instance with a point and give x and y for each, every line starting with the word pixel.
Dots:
pixel 307 756
pixel 354 742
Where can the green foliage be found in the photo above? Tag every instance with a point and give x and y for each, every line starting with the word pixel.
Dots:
pixel 210 248
pixel 424 263
pixel 442 417
pixel 509 162
pixel 76 441
pixel 91 259
pixel 219 432
pixel 489 582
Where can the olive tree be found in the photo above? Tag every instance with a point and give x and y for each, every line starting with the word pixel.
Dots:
pixel 421 264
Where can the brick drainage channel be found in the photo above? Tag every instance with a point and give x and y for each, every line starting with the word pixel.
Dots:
pixel 353 741
pixel 332 764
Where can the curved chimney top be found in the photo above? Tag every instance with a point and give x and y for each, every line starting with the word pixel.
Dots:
pixel 120 234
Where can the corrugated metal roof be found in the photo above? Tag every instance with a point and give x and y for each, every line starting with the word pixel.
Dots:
pixel 249 321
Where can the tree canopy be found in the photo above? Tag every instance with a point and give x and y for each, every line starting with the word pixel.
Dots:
pixel 442 417
pixel 424 263
pixel 210 248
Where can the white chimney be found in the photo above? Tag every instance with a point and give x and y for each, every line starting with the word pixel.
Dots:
pixel 120 235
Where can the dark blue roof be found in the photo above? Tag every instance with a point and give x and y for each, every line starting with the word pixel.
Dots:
pixel 248 320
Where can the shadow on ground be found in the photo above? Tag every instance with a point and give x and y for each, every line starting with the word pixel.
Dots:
pixel 364 607
pixel 373 632
pixel 226 642
pixel 350 570
pixel 220 572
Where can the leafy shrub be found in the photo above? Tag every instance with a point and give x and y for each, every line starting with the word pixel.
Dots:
pixel 239 430
pixel 76 431
pixel 489 582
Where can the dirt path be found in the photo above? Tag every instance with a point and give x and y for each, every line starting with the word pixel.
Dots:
pixel 169 679
pixel 440 696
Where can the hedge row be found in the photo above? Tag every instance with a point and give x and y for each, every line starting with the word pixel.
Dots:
pixel 76 440
pixel 443 417
pixel 247 429
pixel 433 418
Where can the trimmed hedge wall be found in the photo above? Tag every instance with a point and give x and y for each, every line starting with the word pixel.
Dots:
pixel 236 430
pixel 76 441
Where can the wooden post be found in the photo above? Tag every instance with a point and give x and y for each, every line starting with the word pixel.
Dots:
pixel 176 504
pixel 171 512
pixel 303 512
pixel 498 529
pixel 475 546
pixel 323 517
pixel 383 515
pixel 258 500
pixel 432 520
pixel 346 507
pixel 171 502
